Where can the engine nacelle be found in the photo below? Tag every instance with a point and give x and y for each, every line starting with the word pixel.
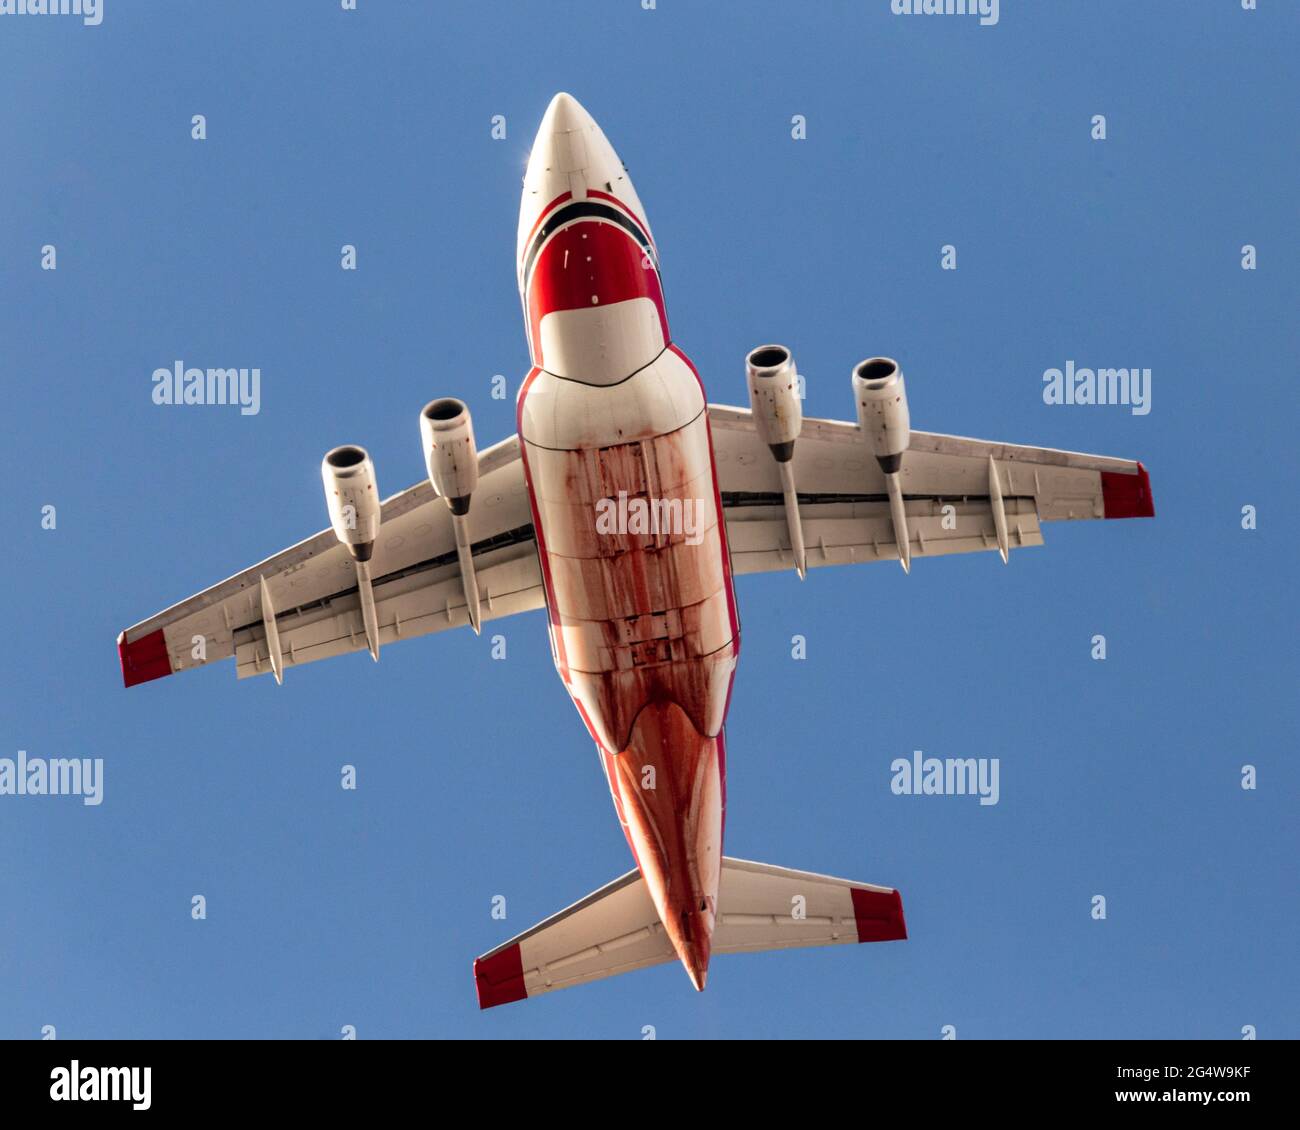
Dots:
pixel 882 410
pixel 449 451
pixel 352 498
pixel 774 397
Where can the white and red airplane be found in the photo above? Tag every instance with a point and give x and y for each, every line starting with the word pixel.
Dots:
pixel 625 506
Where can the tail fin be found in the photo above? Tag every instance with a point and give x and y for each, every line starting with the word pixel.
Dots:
pixel 615 929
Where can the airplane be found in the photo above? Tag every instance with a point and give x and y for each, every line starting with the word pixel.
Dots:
pixel 626 505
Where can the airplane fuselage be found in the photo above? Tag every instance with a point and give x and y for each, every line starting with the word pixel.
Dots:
pixel 620 470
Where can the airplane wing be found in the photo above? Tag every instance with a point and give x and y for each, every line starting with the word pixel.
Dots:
pixel 616 929
pixel 306 598
pixel 958 495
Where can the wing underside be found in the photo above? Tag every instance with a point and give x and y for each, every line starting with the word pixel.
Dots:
pixel 306 599
pixel 959 495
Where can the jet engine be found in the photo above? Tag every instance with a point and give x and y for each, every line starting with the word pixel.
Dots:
pixel 449 451
pixel 774 397
pixel 884 422
pixel 352 498
pixel 452 460
pixel 882 410
pixel 778 418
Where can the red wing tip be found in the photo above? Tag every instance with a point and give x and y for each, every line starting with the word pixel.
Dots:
pixel 1127 496
pixel 143 660
pixel 879 915
pixel 499 978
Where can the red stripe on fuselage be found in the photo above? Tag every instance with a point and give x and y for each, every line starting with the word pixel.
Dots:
pixel 645 230
pixel 541 216
pixel 557 637
pixel 523 252
pixel 586 264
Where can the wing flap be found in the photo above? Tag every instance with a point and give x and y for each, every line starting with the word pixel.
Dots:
pixel 405 608
pixel 856 533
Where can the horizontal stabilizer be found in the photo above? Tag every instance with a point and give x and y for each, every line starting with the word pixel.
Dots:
pixel 773 908
pixel 616 929
pixel 613 930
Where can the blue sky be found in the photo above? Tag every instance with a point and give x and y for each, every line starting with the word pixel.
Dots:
pixel 476 777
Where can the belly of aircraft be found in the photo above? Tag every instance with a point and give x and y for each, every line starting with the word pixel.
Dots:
pixel 633 546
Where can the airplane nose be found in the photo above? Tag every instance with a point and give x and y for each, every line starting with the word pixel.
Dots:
pixel 571 158
pixel 567 141
pixel 563 114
